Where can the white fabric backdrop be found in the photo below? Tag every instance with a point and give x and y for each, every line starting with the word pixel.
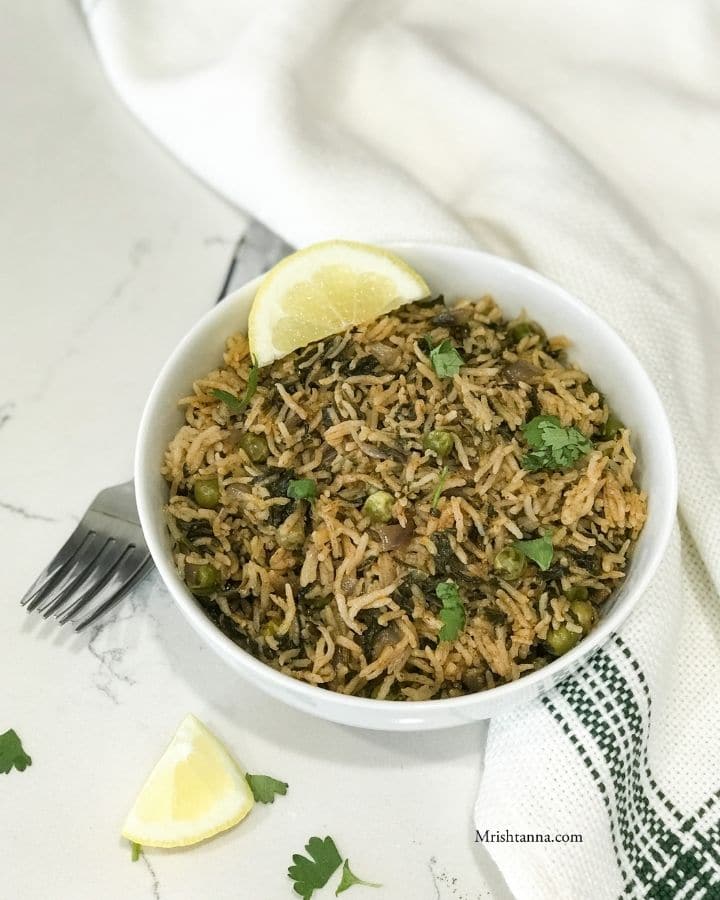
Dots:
pixel 583 140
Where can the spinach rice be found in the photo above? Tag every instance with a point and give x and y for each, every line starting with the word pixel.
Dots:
pixel 430 589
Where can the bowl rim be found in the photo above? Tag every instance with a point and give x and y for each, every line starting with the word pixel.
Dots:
pixel 261 673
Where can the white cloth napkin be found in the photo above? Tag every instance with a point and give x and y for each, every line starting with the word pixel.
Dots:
pixel 582 140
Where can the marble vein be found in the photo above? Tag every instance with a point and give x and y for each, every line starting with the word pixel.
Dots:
pixel 6 413
pixel 74 343
pixel 431 866
pixel 155 880
pixel 139 250
pixel 449 882
pixel 24 513
pixel 109 676
pixel 112 673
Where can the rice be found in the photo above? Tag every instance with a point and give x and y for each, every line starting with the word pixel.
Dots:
pixel 319 592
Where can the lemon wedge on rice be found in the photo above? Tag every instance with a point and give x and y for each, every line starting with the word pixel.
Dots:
pixel 195 791
pixel 323 290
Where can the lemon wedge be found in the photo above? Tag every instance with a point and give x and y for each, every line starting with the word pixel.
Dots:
pixel 324 289
pixel 195 791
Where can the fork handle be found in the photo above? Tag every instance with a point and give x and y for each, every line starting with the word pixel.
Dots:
pixel 257 251
pixel 118 501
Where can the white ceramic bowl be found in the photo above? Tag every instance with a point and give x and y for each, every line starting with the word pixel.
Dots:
pixel 455 273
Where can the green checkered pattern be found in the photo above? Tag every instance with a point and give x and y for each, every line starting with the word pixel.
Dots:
pixel 605 710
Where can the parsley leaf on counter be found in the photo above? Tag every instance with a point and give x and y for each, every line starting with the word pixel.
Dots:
pixel 302 489
pixel 446 360
pixel 349 879
pixel 310 874
pixel 264 787
pixel 12 753
pixel 554 446
pixel 235 404
pixel 452 614
pixel 539 550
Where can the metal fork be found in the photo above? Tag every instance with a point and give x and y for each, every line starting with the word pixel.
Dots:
pixel 106 555
pixel 102 560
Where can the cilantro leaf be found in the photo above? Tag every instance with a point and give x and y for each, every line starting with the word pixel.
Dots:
pixel 446 360
pixel 536 460
pixel 553 445
pixel 310 874
pixel 12 753
pixel 442 478
pixel 233 403
pixel 264 787
pixel 349 879
pixel 539 550
pixel 252 382
pixel 237 405
pixel 302 489
pixel 452 614
pixel 135 851
pixel 533 430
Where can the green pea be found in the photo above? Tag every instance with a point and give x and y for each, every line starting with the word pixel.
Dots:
pixel 206 492
pixel 612 426
pixel 255 446
pixel 202 579
pixel 440 442
pixel 510 563
pixel 522 329
pixel 559 640
pixel 584 612
pixel 577 592
pixel 379 507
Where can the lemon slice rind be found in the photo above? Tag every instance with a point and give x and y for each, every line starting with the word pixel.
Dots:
pixel 195 791
pixel 324 289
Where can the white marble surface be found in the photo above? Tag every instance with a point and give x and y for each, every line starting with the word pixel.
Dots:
pixel 109 252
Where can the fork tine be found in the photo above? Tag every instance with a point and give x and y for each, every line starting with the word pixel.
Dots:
pixel 57 564
pixel 67 612
pixel 86 582
pixel 137 576
pixel 80 565
pixel 102 559
pixel 64 573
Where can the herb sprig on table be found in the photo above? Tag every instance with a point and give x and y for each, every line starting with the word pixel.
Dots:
pixel 349 879
pixel 264 787
pixel 312 872
pixel 12 754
